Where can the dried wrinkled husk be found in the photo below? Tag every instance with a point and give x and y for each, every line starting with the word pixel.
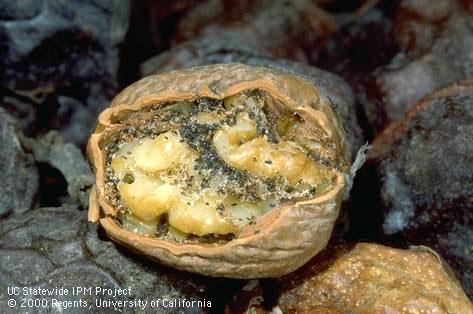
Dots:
pixel 424 179
pixel 73 254
pixel 371 278
pixel 18 172
pixel 281 240
pixel 256 22
pixel 434 51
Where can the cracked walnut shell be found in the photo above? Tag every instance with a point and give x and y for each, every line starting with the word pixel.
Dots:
pixel 224 170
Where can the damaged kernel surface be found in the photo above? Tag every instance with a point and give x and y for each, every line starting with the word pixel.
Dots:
pixel 210 167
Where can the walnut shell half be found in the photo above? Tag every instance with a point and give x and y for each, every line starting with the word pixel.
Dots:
pixel 279 240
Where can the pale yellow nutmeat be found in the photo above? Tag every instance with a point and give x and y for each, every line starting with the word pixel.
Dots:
pixel 138 166
pixel 149 200
pixel 239 147
pixel 161 153
pixel 245 212
pixel 141 167
pixel 202 217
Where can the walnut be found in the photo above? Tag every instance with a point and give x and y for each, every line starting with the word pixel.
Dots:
pixel 225 170
pixel 372 278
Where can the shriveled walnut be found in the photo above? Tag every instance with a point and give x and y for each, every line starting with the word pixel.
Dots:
pixel 371 278
pixel 424 168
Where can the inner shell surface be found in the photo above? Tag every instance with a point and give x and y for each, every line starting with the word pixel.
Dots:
pixel 209 167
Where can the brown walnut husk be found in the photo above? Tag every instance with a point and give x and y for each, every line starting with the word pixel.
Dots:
pixel 423 165
pixel 371 278
pixel 281 240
